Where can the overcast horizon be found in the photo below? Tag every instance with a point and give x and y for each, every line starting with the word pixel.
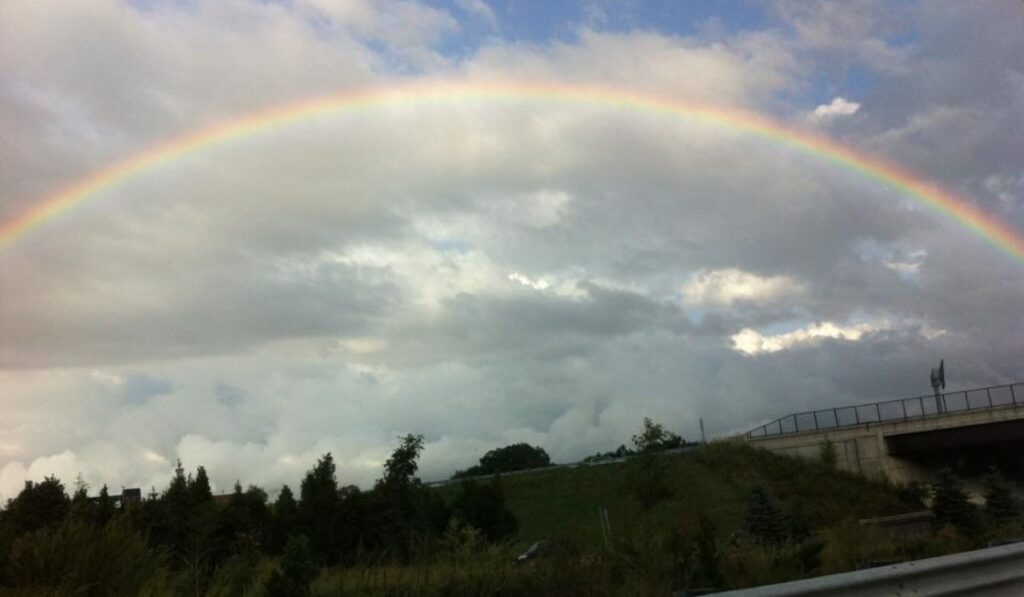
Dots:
pixel 487 272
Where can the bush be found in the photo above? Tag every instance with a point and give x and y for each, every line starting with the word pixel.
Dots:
pixel 950 504
pixel 764 521
pixel 828 456
pixel 1000 503
pixel 79 558
pixel 296 572
pixel 483 507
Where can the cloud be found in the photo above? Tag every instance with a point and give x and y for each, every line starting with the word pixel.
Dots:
pixel 482 272
pixel 726 287
pixel 480 10
pixel 838 108
pixel 752 342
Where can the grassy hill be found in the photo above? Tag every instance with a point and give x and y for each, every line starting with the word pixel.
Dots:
pixel 714 480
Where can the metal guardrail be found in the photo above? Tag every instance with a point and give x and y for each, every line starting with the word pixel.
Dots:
pixel 893 410
pixel 991 571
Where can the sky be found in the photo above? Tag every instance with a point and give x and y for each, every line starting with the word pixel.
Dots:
pixel 485 272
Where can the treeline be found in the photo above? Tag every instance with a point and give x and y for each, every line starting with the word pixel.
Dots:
pixel 198 541
pixel 516 457
pixel 653 438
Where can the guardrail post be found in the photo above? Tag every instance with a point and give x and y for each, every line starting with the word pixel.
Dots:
pixel 903 405
pixel 815 413
pixel 988 392
pixel 1013 396
pixel 856 414
pixel 835 416
pixel 878 412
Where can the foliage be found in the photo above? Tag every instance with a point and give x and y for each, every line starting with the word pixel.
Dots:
pixel 37 505
pixel 828 456
pixel 1000 503
pixel 709 573
pixel 483 507
pixel 515 457
pixel 318 508
pixel 81 558
pixel 621 452
pixel 297 570
pixel 764 522
pixel 950 504
pixel 655 438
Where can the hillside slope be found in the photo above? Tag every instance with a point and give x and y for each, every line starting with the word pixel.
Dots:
pixel 714 480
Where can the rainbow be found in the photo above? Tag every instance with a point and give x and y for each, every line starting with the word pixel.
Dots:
pixel 938 200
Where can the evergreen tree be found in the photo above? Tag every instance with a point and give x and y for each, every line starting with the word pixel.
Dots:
pixel 949 502
pixel 199 490
pixel 764 520
pixel 37 505
pixel 285 519
pixel 105 508
pixel 1000 503
pixel 82 507
pixel 296 572
pixel 318 508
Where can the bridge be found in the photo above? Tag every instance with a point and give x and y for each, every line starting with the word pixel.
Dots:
pixel 906 439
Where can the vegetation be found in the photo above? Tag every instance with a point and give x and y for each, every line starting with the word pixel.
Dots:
pixel 516 457
pixel 726 516
pixel 655 438
pixel 827 453
pixel 950 503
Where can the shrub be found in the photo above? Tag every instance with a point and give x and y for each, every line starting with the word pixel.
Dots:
pixel 950 504
pixel 296 572
pixel 79 558
pixel 828 456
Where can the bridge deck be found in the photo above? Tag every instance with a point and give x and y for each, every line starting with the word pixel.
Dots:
pixel 900 409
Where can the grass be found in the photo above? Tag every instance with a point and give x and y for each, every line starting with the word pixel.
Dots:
pixel 714 480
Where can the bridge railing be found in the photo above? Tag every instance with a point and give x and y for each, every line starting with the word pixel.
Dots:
pixel 893 410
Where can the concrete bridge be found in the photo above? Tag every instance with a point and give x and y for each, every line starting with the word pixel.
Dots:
pixel 907 439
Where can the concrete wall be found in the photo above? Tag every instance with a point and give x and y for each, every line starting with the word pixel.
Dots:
pixel 862 449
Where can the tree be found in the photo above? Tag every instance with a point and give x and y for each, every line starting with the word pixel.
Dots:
pixel 483 507
pixel 403 510
pixel 401 467
pixel 199 489
pixel 296 572
pixel 318 507
pixel 764 520
pixel 515 457
pixel 654 438
pixel 82 507
pixel 949 502
pixel 1000 503
pixel 105 508
pixel 828 455
pixel 38 505
pixel 284 519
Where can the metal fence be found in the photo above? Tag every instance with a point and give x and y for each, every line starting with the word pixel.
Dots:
pixel 894 410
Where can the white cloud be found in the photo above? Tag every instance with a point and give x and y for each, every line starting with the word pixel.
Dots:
pixel 329 285
pixel 538 284
pixel 726 287
pixel 480 10
pixel 751 342
pixel 839 107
